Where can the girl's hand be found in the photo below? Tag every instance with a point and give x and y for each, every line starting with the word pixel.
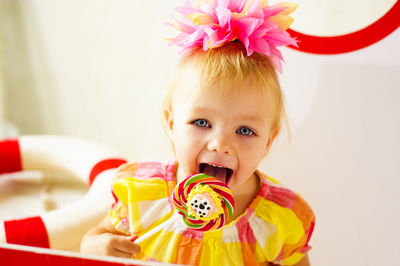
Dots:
pixel 109 244
pixel 105 240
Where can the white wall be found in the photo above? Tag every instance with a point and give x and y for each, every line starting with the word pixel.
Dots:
pixel 344 158
pixel 97 69
pixel 85 68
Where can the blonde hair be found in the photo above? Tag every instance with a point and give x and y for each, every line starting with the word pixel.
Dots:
pixel 230 66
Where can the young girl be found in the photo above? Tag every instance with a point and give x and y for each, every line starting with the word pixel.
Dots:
pixel 221 114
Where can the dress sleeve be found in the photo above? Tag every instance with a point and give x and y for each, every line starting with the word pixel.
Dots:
pixel 119 217
pixel 296 242
pixel 292 222
pixel 141 199
pixel 118 213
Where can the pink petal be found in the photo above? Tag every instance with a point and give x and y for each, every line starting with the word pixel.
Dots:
pixel 211 34
pixel 199 19
pixel 250 51
pixel 178 40
pixel 261 30
pixel 276 58
pixel 281 38
pixel 217 37
pixel 182 26
pixel 255 9
pixel 288 7
pixel 195 37
pixel 248 25
pixel 225 36
pixel 268 25
pixel 208 8
pixel 224 16
pixel 261 46
pixel 205 43
pixel 187 10
pixel 222 3
pixel 245 41
pixel 273 10
pixel 182 17
pixel 277 63
pixel 236 5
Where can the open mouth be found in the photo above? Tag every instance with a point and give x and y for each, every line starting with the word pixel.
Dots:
pixel 222 173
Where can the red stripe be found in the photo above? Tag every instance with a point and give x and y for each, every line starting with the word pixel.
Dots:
pixel 282 196
pixel 309 232
pixel 245 233
pixel 103 166
pixel 10 156
pixel 352 41
pixel 114 196
pixel 29 231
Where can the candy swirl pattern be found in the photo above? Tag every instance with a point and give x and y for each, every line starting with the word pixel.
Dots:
pixel 205 202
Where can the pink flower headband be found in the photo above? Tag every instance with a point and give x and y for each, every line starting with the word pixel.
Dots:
pixel 211 23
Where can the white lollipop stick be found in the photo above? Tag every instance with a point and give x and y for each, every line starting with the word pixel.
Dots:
pixel 158 228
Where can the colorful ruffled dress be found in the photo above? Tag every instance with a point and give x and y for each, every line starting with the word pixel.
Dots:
pixel 276 226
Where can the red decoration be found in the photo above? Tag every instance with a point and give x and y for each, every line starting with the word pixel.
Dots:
pixel 10 156
pixel 39 257
pixel 352 41
pixel 103 166
pixel 28 231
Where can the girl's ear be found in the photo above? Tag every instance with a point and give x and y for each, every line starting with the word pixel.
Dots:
pixel 271 139
pixel 168 121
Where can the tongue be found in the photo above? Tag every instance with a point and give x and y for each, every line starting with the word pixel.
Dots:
pixel 217 172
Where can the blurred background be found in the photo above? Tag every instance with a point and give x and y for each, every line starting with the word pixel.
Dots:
pixel 97 70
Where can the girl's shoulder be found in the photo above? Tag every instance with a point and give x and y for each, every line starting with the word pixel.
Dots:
pixel 283 199
pixel 148 169
pixel 287 212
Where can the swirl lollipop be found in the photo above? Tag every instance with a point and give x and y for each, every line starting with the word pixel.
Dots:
pixel 205 202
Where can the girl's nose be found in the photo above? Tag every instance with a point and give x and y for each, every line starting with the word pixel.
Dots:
pixel 220 143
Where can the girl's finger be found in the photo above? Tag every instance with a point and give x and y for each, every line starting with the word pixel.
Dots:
pixel 121 254
pixel 125 245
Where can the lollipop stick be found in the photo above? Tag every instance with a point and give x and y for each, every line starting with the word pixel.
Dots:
pixel 156 229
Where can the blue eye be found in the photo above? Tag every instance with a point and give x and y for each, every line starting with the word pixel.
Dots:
pixel 245 131
pixel 201 123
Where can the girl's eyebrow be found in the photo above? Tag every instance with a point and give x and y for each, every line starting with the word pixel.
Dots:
pixel 245 117
pixel 202 110
pixel 255 118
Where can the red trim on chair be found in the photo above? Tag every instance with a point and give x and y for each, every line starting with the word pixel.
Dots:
pixel 28 231
pixel 10 156
pixel 39 257
pixel 103 166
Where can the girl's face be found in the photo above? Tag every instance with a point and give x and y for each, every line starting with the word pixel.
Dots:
pixel 221 134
